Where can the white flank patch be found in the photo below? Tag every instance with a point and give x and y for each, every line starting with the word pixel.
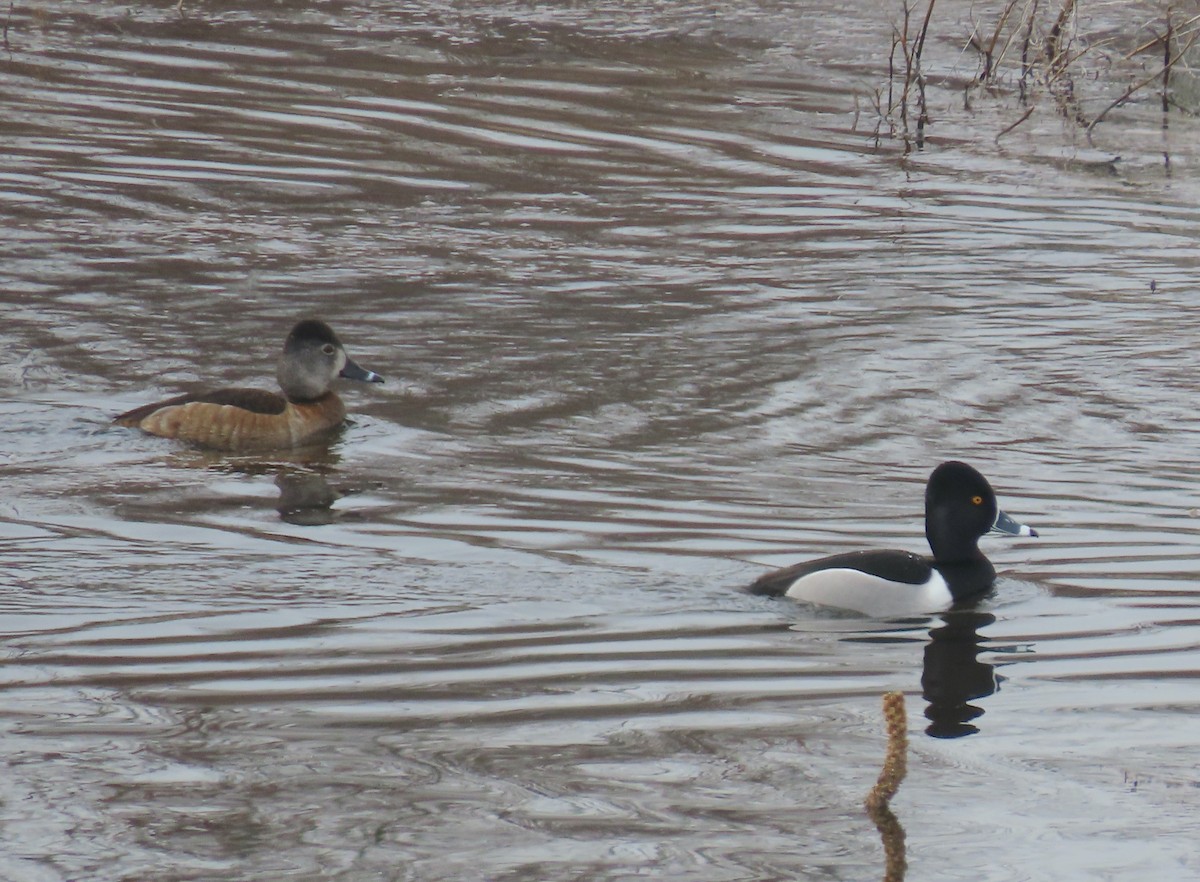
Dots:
pixel 861 592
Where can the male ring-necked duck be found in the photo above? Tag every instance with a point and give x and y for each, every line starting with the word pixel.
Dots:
pixel 959 508
pixel 254 419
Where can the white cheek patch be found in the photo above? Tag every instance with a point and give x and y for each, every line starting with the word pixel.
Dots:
pixel 861 592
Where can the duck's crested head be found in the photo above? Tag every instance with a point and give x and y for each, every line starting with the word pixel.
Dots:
pixel 957 479
pixel 960 506
pixel 310 332
pixel 312 358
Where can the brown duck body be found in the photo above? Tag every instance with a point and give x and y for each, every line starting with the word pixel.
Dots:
pixel 239 419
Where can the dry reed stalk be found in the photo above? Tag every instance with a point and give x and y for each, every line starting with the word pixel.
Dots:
pixel 1026 65
pixel 923 115
pixel 891 105
pixel 1054 48
pixel 989 59
pixel 1151 43
pixel 895 761
pixel 903 38
pixel 921 36
pixel 1166 89
pixel 911 49
pixel 895 766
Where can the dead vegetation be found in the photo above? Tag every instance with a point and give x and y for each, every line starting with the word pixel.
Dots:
pixel 878 802
pixel 1038 53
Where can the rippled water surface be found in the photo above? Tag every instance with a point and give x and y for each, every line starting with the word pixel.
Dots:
pixel 657 310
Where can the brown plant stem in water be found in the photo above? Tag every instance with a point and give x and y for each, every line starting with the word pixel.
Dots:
pixel 911 46
pixel 1024 116
pixel 1055 51
pixel 895 766
pixel 1166 86
pixel 895 761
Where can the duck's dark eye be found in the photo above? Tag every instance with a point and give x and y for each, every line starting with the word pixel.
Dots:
pixel 328 349
pixel 977 500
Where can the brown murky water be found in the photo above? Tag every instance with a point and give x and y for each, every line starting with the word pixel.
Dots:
pixel 655 310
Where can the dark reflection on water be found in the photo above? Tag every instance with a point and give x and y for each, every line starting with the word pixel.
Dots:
pixel 658 315
pixel 305 498
pixel 953 675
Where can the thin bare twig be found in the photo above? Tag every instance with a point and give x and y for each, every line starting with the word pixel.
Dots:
pixel 907 69
pixel 921 38
pixel 1028 113
pixel 1150 44
pixel 1142 83
pixel 1166 73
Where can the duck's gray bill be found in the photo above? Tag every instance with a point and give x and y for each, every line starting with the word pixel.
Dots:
pixel 353 372
pixel 1005 524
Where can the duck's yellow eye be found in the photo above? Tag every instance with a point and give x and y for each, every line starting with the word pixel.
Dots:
pixel 977 500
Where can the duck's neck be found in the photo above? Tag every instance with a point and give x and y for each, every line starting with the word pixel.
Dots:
pixel 327 395
pixel 298 385
pixel 949 541
pixel 968 573
pixel 947 551
pixel 967 579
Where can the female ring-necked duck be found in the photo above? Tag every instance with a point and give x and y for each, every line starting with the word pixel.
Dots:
pixel 959 508
pixel 254 419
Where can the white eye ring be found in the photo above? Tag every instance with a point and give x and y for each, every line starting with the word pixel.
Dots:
pixel 328 349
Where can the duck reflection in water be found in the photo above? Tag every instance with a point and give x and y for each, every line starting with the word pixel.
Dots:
pixel 953 676
pixel 305 498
